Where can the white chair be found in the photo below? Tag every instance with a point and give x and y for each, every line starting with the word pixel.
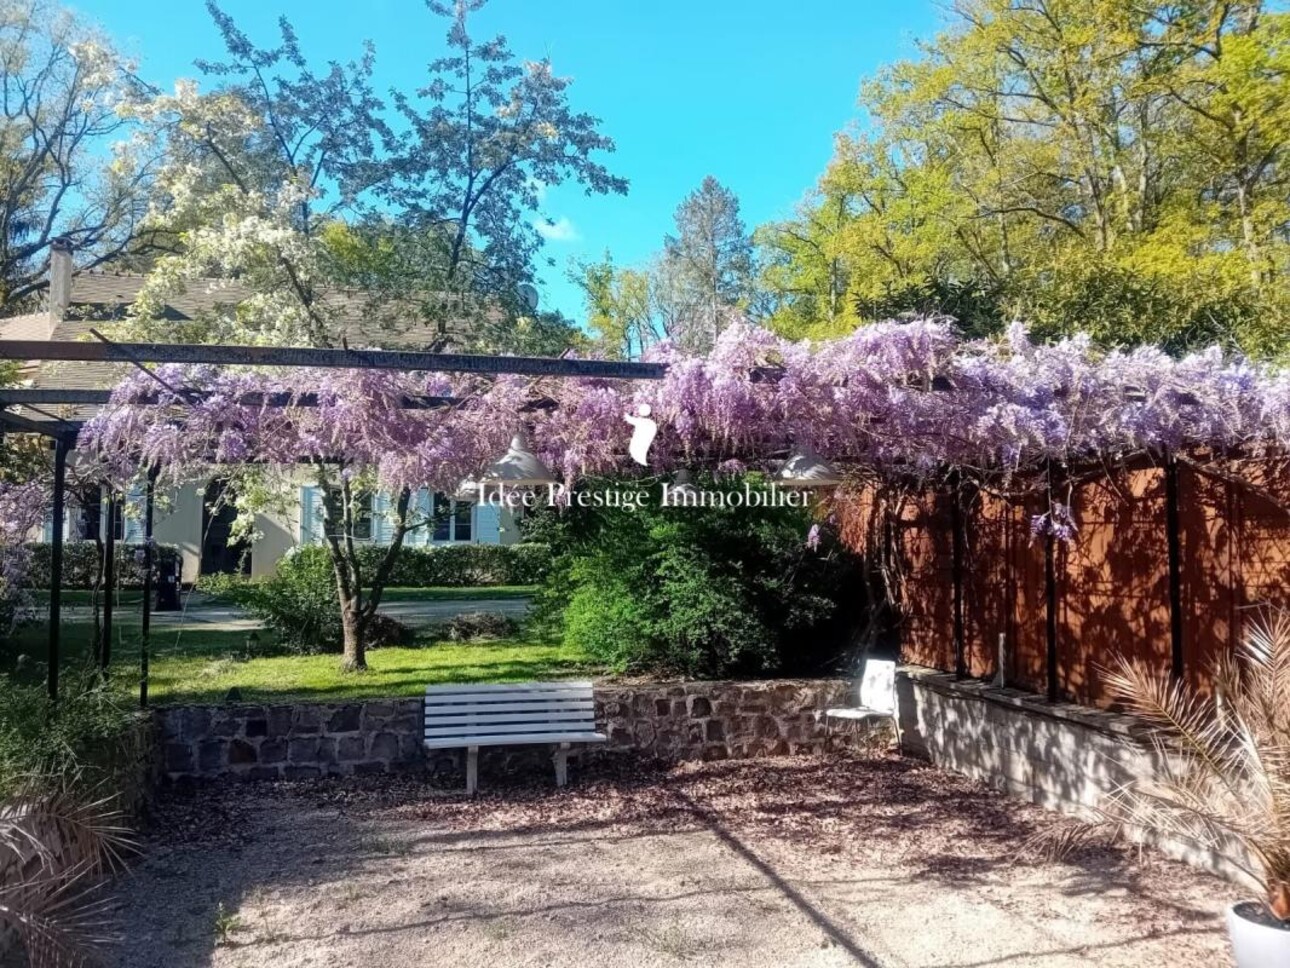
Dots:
pixel 877 695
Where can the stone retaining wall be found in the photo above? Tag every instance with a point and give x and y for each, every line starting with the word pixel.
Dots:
pixel 667 721
pixel 1062 756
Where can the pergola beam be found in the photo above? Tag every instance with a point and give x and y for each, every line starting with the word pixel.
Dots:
pixel 109 352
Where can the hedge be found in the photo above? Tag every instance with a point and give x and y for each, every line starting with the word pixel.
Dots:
pixel 81 562
pixel 463 565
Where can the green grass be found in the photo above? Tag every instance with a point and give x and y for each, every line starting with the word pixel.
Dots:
pixel 201 666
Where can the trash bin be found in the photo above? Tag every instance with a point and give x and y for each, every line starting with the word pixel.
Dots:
pixel 168 589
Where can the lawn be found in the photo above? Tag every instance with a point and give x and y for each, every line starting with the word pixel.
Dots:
pixel 201 666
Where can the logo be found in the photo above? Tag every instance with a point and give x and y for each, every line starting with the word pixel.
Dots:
pixel 644 430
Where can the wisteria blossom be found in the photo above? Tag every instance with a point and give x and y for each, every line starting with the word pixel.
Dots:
pixel 22 510
pixel 896 398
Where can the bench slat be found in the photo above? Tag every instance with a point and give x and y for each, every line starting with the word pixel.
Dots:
pixel 530 707
pixel 571 685
pixel 545 715
pixel 493 729
pixel 515 739
pixel 432 701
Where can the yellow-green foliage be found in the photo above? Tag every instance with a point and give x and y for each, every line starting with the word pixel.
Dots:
pixel 1102 165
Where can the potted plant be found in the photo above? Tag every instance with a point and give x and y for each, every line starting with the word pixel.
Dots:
pixel 1227 785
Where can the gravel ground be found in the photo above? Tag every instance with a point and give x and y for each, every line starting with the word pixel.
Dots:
pixel 838 860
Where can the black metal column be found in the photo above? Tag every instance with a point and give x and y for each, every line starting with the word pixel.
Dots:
pixel 146 626
pixel 109 579
pixel 1173 536
pixel 62 446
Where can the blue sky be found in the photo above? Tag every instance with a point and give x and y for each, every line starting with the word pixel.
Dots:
pixel 750 92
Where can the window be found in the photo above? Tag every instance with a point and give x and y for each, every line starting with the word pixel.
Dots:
pixel 88 525
pixel 449 519
pixel 362 513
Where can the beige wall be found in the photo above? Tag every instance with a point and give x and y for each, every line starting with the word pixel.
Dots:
pixel 178 521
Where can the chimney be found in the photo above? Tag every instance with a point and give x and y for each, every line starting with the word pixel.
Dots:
pixel 60 280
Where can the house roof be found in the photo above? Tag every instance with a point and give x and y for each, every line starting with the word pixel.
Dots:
pixel 99 296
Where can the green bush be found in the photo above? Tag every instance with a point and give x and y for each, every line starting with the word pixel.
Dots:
pixel 696 591
pixel 81 563
pixel 92 737
pixel 460 565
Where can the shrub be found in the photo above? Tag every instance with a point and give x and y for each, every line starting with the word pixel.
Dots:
pixel 81 563
pixel 299 602
pixel 695 591
pixel 94 740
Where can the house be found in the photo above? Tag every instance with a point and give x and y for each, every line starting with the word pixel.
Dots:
pixel 192 517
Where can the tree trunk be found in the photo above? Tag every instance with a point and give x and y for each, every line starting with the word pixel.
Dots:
pixel 354 653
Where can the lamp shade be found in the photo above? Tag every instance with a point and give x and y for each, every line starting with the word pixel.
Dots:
pixel 806 468
pixel 518 467
pixel 682 490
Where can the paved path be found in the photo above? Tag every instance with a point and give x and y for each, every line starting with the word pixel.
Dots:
pixel 226 618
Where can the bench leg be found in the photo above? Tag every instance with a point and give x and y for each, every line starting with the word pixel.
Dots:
pixel 561 758
pixel 472 770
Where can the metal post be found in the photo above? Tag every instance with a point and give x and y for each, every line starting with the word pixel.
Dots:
pixel 956 568
pixel 1173 536
pixel 109 580
pixel 61 448
pixel 146 626
pixel 1050 597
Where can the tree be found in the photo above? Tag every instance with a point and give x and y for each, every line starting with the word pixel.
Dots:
pixel 69 165
pixel 700 282
pixel 706 270
pixel 1110 167
pixel 620 307
pixel 484 136
pixel 254 171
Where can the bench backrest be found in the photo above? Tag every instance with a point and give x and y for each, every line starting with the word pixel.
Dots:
pixel 476 713
pixel 878 685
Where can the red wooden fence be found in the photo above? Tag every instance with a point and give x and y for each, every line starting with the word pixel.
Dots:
pixel 1112 582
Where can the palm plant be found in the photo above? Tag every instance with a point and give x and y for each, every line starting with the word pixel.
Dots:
pixel 56 844
pixel 1226 777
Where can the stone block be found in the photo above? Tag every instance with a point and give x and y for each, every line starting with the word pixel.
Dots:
pixel 306 721
pixel 212 755
pixel 264 773
pixel 351 748
pixel 700 707
pixel 241 753
pixel 279 720
pixel 662 707
pixel 273 751
pixel 327 750
pixel 196 723
pixel 303 750
pixel 715 731
pixel 179 758
pixel 345 719
pixel 385 746
pixel 301 773
pixel 256 727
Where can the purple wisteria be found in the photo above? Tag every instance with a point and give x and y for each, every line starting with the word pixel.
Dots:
pixel 903 399
pixel 22 511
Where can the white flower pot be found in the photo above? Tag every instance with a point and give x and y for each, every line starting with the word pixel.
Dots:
pixel 1256 941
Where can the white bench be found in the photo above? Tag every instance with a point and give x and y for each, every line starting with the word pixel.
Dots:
pixel 469 716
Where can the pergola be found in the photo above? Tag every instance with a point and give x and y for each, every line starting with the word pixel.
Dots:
pixel 64 433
